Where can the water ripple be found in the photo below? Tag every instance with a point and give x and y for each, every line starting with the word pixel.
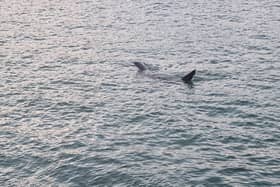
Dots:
pixel 75 112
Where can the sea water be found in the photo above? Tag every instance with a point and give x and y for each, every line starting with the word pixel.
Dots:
pixel 75 112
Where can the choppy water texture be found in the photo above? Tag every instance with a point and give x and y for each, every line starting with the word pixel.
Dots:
pixel 75 112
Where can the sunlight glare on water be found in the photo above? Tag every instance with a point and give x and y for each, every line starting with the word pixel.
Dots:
pixel 75 112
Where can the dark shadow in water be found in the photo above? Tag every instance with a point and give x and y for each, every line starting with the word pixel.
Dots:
pixel 143 70
pixel 190 84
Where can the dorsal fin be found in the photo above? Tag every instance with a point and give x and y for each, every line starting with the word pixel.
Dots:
pixel 140 66
pixel 187 78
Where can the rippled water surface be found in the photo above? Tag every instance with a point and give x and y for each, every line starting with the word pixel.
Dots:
pixel 75 112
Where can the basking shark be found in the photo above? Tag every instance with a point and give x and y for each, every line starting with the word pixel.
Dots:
pixel 186 79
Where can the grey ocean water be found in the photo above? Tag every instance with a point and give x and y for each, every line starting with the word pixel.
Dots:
pixel 75 112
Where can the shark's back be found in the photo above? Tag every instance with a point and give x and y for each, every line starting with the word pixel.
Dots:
pixel 187 78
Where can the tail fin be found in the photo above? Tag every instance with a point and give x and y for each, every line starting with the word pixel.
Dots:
pixel 189 76
pixel 140 66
